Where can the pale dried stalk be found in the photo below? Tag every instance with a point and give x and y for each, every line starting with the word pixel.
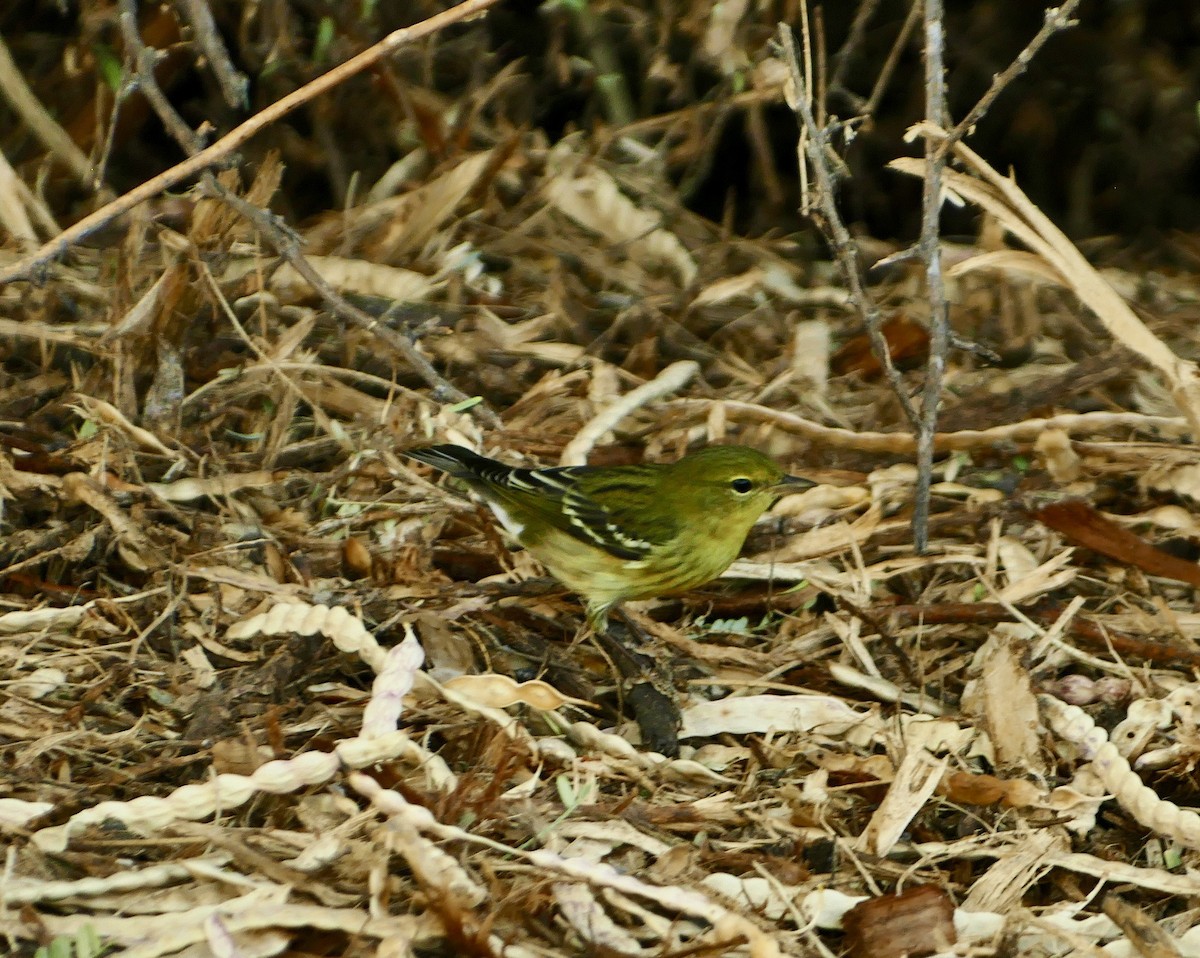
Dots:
pixel 930 249
pixel 380 741
pixel 1027 430
pixel 1003 199
pixel 51 134
pixel 209 157
pixel 14 218
pixel 727 926
pixel 670 380
pixel 1142 802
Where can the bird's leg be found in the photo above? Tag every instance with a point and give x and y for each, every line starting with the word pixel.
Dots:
pixel 649 694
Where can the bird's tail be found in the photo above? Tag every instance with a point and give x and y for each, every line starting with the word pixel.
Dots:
pixel 458 461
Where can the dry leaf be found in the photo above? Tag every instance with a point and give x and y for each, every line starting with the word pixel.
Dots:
pixel 500 691
pixel 1081 524
pixel 917 922
pixel 764 713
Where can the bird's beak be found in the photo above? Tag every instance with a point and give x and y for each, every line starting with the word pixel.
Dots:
pixel 789 484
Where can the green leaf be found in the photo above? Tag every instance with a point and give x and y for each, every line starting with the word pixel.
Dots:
pixel 566 791
pixel 88 943
pixel 466 404
pixel 325 34
pixel 109 66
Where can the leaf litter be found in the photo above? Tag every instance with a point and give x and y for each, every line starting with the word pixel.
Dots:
pixel 267 687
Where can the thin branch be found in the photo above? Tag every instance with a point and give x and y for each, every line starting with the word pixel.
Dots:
pixel 893 58
pixel 858 29
pixel 27 267
pixel 145 61
pixel 936 153
pixel 821 105
pixel 287 244
pixel 281 237
pixel 234 84
pixel 814 148
pixel 1056 20
pixel 901 443
pixel 693 112
pixel 931 255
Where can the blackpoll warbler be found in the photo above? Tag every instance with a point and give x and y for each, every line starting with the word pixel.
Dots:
pixel 613 533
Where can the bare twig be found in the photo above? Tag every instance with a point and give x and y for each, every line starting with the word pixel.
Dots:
pixel 1056 20
pixel 936 153
pixel 802 145
pixel 282 238
pixel 104 154
pixel 901 443
pixel 814 149
pixel 28 266
pixel 694 112
pixel 145 60
pixel 668 381
pixel 858 29
pixel 931 255
pixel 234 84
pixel 889 65
pixel 820 106
pixel 286 243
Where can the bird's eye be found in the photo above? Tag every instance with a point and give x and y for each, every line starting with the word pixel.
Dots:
pixel 741 485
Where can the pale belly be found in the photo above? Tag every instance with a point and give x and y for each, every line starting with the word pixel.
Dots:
pixel 591 571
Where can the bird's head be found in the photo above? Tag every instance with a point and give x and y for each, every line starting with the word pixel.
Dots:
pixel 734 482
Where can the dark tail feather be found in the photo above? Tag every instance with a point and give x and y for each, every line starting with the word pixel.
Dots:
pixel 455 460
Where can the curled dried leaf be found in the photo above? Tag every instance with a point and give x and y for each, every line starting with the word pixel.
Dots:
pixel 500 691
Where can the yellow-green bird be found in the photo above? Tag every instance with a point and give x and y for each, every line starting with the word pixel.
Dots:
pixel 613 533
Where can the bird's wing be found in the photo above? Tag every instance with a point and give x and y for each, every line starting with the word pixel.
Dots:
pixel 616 509
pixel 619 511
pixel 603 507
